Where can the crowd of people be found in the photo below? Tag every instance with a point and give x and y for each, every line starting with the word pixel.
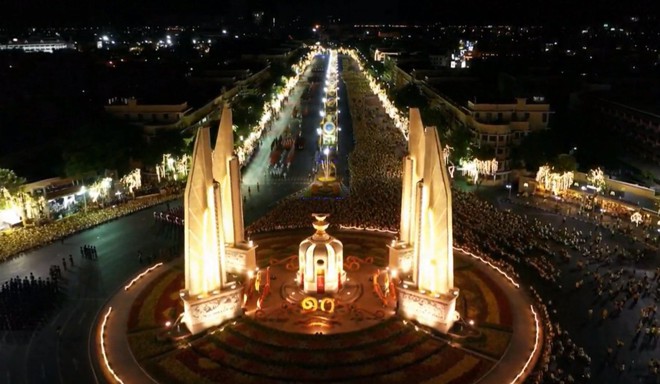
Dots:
pixel 374 164
pixel 514 242
pixel 15 241
pixel 517 244
pixel 26 303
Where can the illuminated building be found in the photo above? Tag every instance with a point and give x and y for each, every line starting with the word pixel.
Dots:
pixel 129 109
pixel 504 125
pixel 423 256
pixel 44 45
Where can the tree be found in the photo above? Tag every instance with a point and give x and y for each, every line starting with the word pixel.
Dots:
pixel 410 96
pixel 460 139
pixel 485 152
pixel 9 180
pixel 535 150
pixel 564 163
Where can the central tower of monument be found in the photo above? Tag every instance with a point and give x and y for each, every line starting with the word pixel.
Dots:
pixel 424 254
pixel 216 254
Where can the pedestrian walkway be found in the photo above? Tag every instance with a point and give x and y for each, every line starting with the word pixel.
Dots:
pixel 117 349
pixel 523 339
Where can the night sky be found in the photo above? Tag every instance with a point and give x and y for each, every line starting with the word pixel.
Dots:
pixel 95 12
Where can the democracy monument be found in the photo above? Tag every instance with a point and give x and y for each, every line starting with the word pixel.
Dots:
pixel 320 303
pixel 218 260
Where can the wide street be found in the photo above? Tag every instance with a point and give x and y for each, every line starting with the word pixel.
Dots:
pixel 43 357
pixel 272 189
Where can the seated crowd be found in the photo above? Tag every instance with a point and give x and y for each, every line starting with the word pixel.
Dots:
pixel 13 242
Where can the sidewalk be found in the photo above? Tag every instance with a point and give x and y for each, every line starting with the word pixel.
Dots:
pixel 117 349
pixel 524 331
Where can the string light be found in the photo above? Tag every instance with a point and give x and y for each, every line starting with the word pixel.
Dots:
pixel 141 275
pixel 533 352
pixel 495 267
pixel 368 229
pixel 103 352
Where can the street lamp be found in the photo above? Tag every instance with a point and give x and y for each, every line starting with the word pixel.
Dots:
pixel 508 186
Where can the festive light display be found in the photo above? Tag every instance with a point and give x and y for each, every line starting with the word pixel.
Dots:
pixel 636 218
pixel 101 188
pixel 132 181
pixel 21 205
pixel 533 352
pixel 596 178
pixel 555 182
pixel 400 120
pixel 173 168
pixel 249 144
pixel 141 275
pixel 475 167
pixel 103 352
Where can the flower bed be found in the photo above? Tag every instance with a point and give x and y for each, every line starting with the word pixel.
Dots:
pixel 144 310
pixel 144 344
pixel 505 317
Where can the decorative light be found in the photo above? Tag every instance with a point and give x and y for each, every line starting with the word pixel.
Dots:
pixel 496 268
pixel 636 218
pixel 132 181
pixel 103 352
pixel 553 181
pixel 596 178
pixel 141 275
pixel 533 352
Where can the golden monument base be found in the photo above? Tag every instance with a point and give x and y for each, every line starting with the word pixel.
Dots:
pixel 434 311
pixel 241 257
pixel 205 311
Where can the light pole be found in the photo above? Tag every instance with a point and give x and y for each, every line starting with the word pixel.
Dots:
pixel 508 186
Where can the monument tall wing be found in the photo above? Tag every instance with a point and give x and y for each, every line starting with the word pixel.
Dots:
pixel 416 142
pixel 224 144
pixel 438 220
pixel 202 267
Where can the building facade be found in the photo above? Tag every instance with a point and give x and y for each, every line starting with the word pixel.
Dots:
pixel 47 45
pixel 639 129
pixel 130 110
pixel 504 125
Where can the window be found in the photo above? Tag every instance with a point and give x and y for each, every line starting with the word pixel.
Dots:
pixel 500 151
pixel 492 138
pixel 499 116
pixel 166 116
pixel 476 115
pixel 484 137
pixel 153 117
pixel 489 116
pixel 526 115
pixel 500 138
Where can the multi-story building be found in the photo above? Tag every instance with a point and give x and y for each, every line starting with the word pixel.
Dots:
pixel 146 114
pixel 638 128
pixel 44 45
pixel 503 125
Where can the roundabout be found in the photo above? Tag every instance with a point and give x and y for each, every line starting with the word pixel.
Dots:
pixel 297 337
pixel 302 306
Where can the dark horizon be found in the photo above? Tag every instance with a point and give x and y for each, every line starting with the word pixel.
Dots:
pixel 39 13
